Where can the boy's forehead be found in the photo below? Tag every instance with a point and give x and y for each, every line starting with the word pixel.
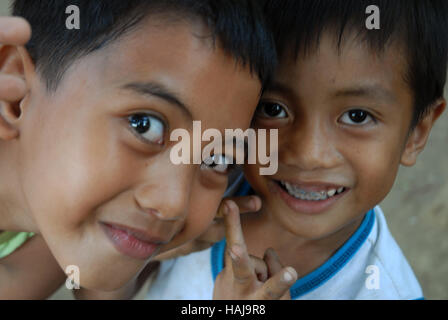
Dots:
pixel 353 64
pixel 181 59
pixel 162 39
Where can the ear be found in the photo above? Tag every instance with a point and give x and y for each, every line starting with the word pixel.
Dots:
pixel 419 136
pixel 16 70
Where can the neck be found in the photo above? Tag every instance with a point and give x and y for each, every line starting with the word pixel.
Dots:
pixel 13 213
pixel 305 255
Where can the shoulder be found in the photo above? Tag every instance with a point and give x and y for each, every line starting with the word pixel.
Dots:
pixel 375 270
pixel 19 270
pixel 388 273
pixel 184 278
pixel 11 241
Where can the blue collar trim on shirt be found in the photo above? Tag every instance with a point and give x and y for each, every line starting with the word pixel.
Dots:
pixel 336 262
pixel 244 189
pixel 217 258
pixel 323 273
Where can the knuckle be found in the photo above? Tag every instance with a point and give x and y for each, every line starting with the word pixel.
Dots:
pixel 269 294
pixel 243 279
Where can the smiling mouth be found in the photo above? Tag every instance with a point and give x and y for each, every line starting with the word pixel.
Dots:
pixel 309 199
pixel 308 195
pixel 131 242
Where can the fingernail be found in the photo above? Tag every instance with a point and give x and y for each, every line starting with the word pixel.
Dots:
pixel 233 256
pixel 253 204
pixel 231 206
pixel 225 210
pixel 289 275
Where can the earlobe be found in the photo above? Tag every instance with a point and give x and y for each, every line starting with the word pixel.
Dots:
pixel 419 136
pixel 16 68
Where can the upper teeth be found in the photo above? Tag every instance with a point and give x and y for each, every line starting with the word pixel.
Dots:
pixel 310 195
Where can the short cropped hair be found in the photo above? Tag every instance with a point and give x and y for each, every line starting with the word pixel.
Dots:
pixel 419 26
pixel 238 25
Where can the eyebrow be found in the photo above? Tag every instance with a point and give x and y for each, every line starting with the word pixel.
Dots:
pixel 375 91
pixel 160 91
pixel 278 88
pixel 372 91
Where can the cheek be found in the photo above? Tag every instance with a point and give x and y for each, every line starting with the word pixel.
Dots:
pixel 375 173
pixel 256 181
pixel 203 208
pixel 82 167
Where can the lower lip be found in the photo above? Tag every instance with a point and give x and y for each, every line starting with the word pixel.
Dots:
pixel 129 245
pixel 306 206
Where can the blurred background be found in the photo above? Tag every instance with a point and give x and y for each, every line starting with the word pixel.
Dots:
pixel 416 211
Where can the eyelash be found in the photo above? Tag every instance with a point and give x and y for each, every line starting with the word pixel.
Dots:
pixel 366 115
pixel 149 120
pixel 261 112
pixel 230 167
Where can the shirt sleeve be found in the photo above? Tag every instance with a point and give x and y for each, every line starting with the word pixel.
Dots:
pixel 11 241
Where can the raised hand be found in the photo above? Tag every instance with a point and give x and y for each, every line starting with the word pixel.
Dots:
pixel 246 277
pixel 216 231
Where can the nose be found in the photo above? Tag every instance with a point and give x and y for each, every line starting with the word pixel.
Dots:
pixel 310 147
pixel 166 194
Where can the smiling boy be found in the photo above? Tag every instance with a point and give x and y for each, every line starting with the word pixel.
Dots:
pixel 84 156
pixel 351 106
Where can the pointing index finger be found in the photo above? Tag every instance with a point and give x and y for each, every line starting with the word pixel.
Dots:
pixel 236 254
pixel 245 204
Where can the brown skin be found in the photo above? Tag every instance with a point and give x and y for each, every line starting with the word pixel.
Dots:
pixel 216 232
pixel 95 169
pixel 243 277
pixel 318 142
pixel 21 277
pixel 31 272
pixel 247 277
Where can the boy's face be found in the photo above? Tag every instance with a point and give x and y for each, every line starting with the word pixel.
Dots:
pixel 94 157
pixel 344 121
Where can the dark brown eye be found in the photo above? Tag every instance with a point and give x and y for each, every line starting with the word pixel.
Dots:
pixel 356 117
pixel 150 128
pixel 271 110
pixel 140 123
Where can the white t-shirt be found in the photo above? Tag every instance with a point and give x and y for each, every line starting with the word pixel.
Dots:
pixel 370 265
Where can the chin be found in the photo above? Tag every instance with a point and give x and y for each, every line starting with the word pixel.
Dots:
pixel 98 283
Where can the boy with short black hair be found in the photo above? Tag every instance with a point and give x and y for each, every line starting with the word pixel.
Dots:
pixel 84 156
pixel 351 105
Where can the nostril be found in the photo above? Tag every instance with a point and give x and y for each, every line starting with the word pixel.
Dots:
pixel 159 215
pixel 153 212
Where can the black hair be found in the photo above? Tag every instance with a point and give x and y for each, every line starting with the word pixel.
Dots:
pixel 419 26
pixel 238 25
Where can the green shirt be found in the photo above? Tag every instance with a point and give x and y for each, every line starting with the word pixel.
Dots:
pixel 11 241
